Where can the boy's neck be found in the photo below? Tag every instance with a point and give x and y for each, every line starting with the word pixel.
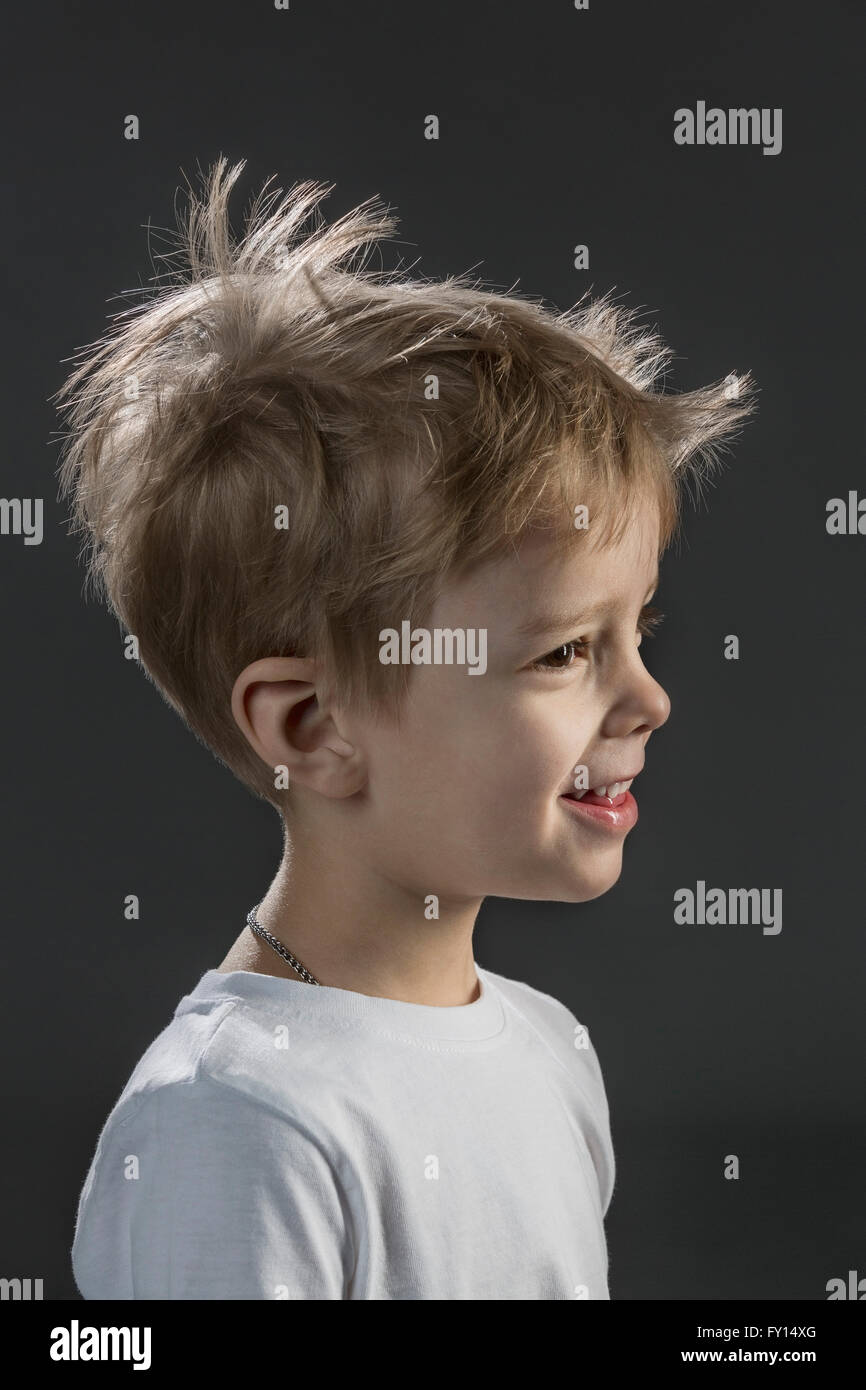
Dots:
pixel 353 930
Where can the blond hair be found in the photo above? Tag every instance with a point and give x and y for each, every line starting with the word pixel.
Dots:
pixel 406 429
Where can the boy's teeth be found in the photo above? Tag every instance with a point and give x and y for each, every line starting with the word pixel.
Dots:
pixel 613 790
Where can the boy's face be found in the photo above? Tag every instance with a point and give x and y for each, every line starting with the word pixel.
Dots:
pixel 464 798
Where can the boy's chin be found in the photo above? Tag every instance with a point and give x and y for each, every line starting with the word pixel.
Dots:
pixel 580 888
pixel 593 885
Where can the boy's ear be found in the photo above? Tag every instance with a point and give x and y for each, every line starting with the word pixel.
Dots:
pixel 275 704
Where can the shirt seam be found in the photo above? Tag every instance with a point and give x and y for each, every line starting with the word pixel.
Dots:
pixel 594 1111
pixel 429 1044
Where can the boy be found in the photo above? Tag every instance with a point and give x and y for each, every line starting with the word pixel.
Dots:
pixel 388 547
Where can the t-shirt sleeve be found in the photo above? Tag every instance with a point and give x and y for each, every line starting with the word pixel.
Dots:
pixel 203 1193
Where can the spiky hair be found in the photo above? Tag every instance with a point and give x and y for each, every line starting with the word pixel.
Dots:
pixel 408 429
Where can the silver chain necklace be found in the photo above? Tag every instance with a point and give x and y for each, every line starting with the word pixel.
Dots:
pixel 278 946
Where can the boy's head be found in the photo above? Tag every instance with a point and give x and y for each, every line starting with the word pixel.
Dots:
pixel 290 468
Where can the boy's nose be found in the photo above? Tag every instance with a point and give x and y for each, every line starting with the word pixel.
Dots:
pixel 661 705
pixel 650 703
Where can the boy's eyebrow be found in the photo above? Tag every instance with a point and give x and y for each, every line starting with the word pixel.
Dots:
pixel 559 622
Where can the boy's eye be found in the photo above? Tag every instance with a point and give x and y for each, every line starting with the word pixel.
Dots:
pixel 561 658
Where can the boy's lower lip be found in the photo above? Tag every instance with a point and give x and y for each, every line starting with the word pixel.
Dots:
pixel 620 817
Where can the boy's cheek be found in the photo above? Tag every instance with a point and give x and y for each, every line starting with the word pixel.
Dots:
pixel 462 748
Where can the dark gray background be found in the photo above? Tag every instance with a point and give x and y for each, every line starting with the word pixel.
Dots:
pixel 556 128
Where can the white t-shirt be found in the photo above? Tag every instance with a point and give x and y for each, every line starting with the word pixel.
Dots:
pixel 286 1140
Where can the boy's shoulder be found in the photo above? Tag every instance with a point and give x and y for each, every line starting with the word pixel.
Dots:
pixel 279 1052
pixel 222 1048
pixel 533 999
pixel 550 1019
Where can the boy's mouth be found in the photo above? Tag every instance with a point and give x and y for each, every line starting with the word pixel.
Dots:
pixel 606 794
pixel 608 807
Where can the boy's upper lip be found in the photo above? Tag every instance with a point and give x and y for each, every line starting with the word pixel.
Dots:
pixel 607 780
